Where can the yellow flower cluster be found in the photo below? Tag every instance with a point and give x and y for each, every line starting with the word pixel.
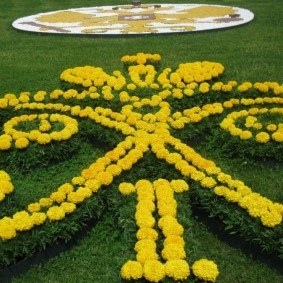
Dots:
pixel 261 87
pixel 6 186
pixel 270 213
pixel 141 58
pixel 273 131
pixel 205 270
pixel 147 264
pixel 40 135
pixel 199 71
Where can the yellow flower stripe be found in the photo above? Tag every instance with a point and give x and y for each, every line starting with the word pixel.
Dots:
pixel 147 263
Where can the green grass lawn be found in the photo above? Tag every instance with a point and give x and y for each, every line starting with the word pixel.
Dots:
pixel 252 52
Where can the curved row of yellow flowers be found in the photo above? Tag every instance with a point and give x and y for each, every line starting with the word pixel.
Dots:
pixel 149 131
pixel 42 135
pixel 147 263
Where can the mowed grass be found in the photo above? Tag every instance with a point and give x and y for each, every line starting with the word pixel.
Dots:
pixel 253 52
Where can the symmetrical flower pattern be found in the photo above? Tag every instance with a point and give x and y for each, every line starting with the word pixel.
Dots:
pixel 141 112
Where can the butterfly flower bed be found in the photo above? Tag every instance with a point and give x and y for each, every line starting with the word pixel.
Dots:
pixel 138 125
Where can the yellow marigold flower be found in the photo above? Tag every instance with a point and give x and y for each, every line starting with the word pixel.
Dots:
pixel 217 86
pixel 153 270
pixel 227 88
pixel 75 197
pixel 167 208
pixel 257 126
pixel 208 182
pixel 132 270
pixel 5 143
pixel 68 207
pixel 171 228
pixel 93 184
pixel 145 244
pixel 189 92
pixel 45 202
pixel 6 187
pixel 172 158
pixel 84 191
pixel 233 196
pixel 271 127
pixel 7 229
pixel 271 218
pixel 179 186
pixel 44 139
pixel 33 135
pixel 127 188
pixel 235 131
pixel 38 218
pixel 39 96
pixel 262 137
pixel 221 190
pixel 245 135
pixel 114 169
pixel 277 136
pixel 205 270
pixel 104 178
pixel 278 90
pixel 147 233
pixel 3 103
pixel 65 188
pixel 173 251
pixel 145 255
pixel 178 269
pixel 228 104
pixel 204 87
pixel 195 118
pixel 22 221
pixel 34 207
pixel 197 175
pixel 174 240
pixel 126 163
pixel 178 124
pixel 144 218
pixel 21 143
pixel 55 213
pixel 78 181
pixel 58 196
pixel 13 102
pixel 146 204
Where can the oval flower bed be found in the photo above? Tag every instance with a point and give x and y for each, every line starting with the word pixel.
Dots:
pixel 129 116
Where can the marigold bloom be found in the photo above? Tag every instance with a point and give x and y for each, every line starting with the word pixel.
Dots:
pixel 132 270
pixel 147 233
pixel 34 207
pixel 6 187
pixel 55 213
pixel 127 188
pixel 93 184
pixel 178 269
pixel 68 207
pixel 38 218
pixel 205 270
pixel 173 251
pixel 7 228
pixel 154 270
pixel 22 221
pixel 262 137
